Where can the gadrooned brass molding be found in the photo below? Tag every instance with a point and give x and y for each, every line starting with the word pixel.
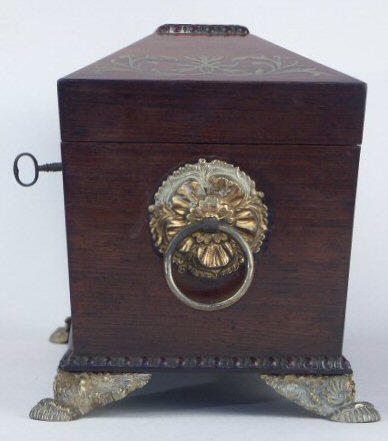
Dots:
pixel 202 29
pixel 330 396
pixel 76 394
pixel 202 191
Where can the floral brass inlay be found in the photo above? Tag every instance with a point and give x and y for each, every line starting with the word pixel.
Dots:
pixel 208 190
pixel 206 65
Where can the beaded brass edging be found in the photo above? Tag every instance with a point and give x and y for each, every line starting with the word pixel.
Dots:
pixel 272 365
pixel 202 29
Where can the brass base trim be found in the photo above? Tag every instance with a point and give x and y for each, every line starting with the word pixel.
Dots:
pixel 330 396
pixel 76 395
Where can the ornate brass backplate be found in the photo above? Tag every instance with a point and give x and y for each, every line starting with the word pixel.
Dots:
pixel 203 191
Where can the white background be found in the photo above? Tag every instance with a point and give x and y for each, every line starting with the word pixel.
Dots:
pixel 40 41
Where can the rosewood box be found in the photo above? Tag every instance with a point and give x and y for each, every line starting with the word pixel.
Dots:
pixel 209 180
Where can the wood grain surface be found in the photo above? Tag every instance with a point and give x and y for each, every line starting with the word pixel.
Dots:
pixel 120 100
pixel 121 305
pixel 293 125
pixel 198 112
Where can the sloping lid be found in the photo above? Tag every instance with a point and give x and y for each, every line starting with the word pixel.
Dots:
pixel 208 78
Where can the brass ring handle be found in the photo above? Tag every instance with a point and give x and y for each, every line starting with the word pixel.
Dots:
pixel 208 226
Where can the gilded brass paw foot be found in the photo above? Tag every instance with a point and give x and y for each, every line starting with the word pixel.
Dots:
pixel 75 394
pixel 330 396
pixel 61 334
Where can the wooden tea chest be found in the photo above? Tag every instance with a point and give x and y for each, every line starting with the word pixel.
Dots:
pixel 209 181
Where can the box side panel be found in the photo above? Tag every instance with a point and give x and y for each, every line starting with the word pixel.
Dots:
pixel 212 112
pixel 121 304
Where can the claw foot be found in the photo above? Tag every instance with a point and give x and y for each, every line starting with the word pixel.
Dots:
pixel 52 410
pixel 357 412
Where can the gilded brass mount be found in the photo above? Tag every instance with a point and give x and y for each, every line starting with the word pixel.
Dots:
pixel 61 334
pixel 330 396
pixel 77 394
pixel 198 192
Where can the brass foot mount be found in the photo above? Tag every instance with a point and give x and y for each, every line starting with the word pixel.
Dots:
pixel 77 394
pixel 330 396
pixel 61 334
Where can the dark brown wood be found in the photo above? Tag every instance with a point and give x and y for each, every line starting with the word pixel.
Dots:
pixel 121 305
pixel 250 113
pixel 200 85
pixel 291 124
